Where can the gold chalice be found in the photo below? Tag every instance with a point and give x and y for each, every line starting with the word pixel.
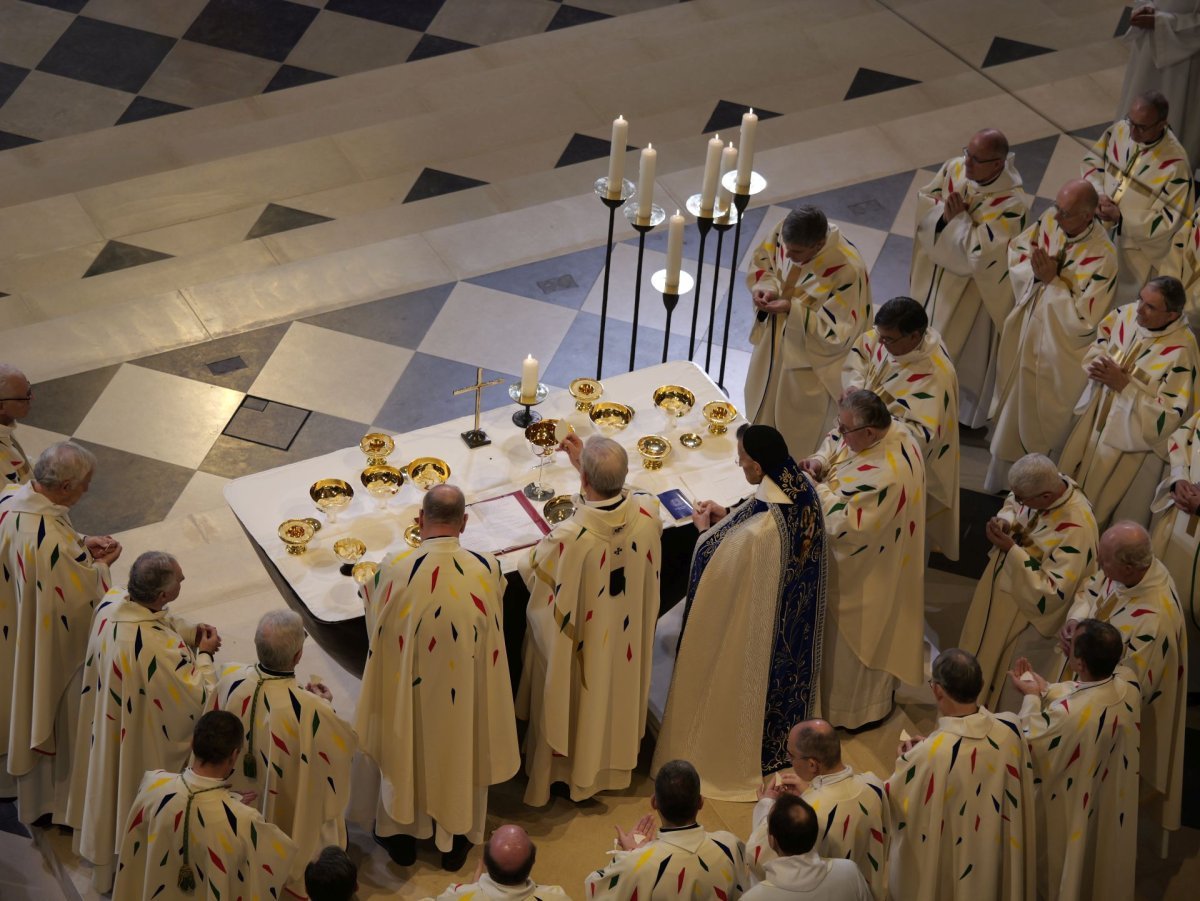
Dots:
pixel 349 551
pixel 719 414
pixel 364 571
pixel 426 472
pixel 331 496
pixel 377 446
pixel 674 400
pixel 586 392
pixel 611 417
pixel 412 534
pixel 296 534
pixel 558 508
pixel 654 449
pixel 382 483
pixel 543 439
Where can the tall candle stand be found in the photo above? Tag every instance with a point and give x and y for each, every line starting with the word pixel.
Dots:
pixel 670 296
pixel 741 199
pixel 522 419
pixel 612 201
pixel 724 220
pixel 704 221
pixel 642 226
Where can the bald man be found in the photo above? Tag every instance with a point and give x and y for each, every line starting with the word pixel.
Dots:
pixel 966 217
pixel 1134 592
pixel 503 873
pixel 1063 273
pixel 16 395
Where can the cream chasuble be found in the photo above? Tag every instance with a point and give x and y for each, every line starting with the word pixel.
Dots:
pixel 50 585
pixel 231 850
pixel 143 690
pixel 14 462
pixel 486 889
pixel 684 863
pixel 593 604
pixel 301 751
pixel 1046 336
pixel 874 504
pixel 1118 447
pixel 920 389
pixel 1184 264
pixel 436 711
pixel 794 378
pixel 1021 601
pixel 1083 739
pixel 1152 185
pixel 854 823
pixel 960 272
pixel 1150 620
pixel 963 817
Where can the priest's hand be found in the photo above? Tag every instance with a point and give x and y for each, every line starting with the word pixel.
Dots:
pixel 1143 17
pixel 1045 267
pixel 762 296
pixel 103 548
pixel 1106 371
pixel 997 532
pixel 249 797
pixel 908 744
pixel 779 305
pixel 573 445
pixel 954 205
pixel 707 513
pixel 1186 496
pixel 320 689
pixel 1066 635
pixel 641 834
pixel 1108 211
pixel 814 466
pixel 208 640
pixel 1025 680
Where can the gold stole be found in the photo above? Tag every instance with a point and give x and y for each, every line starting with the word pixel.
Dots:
pixel 1126 361
pixel 1125 177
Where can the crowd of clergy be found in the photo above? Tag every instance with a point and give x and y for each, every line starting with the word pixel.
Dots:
pixel 1060 711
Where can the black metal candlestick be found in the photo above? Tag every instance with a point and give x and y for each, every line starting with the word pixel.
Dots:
pixel 642 226
pixel 724 221
pixel 704 221
pixel 670 295
pixel 741 199
pixel 613 203
pixel 522 419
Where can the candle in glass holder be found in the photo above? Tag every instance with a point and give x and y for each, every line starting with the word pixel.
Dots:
pixel 729 158
pixel 712 169
pixel 746 157
pixel 645 188
pixel 674 249
pixel 616 156
pixel 529 379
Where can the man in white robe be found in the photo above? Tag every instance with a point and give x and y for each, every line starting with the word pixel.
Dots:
pixel 797 870
pixel 905 362
pixel 678 861
pixel 811 300
pixel 52 578
pixel 1184 264
pixel 1165 55
pixel 754 621
pixel 966 217
pixel 332 876
pixel 16 396
pixel 871 482
pixel 853 814
pixel 1043 549
pixel 504 872
pixel 1144 179
pixel 1083 740
pixel 146 681
pixel 1134 593
pixel 593 603
pixel 298 750
pixel 188 836
pixel 436 711
pixel 962 799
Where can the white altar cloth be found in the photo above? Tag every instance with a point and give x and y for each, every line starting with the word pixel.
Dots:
pixel 264 500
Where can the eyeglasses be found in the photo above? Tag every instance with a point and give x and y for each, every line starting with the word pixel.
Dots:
pixel 977 161
pixel 1138 126
pixel 24 397
pixel 889 340
pixel 842 430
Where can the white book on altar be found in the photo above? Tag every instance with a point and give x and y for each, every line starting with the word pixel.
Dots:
pixel 498 525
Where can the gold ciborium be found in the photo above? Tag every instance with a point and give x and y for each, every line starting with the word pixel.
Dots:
pixel 425 472
pixel 675 401
pixel 543 439
pixel 377 446
pixel 654 449
pixel 719 414
pixel 382 483
pixel 331 496
pixel 349 551
pixel 586 392
pixel 364 571
pixel 610 416
pixel 296 534
pixel 412 534
pixel 558 508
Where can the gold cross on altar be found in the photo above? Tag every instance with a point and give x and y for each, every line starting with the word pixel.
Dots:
pixel 476 437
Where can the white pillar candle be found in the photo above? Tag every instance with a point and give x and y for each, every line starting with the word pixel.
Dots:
pixel 674 250
pixel 529 379
pixel 712 166
pixel 729 158
pixel 746 156
pixel 645 188
pixel 616 156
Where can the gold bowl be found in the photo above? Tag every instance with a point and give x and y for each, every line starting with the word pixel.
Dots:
pixel 674 400
pixel 382 482
pixel 314 522
pixel 331 496
pixel 296 534
pixel 377 446
pixel 719 414
pixel 412 534
pixel 654 449
pixel 364 571
pixel 542 433
pixel 611 416
pixel 690 440
pixel 426 472
pixel 558 508
pixel 586 392
pixel 349 550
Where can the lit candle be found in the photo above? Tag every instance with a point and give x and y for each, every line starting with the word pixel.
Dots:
pixel 616 156
pixel 712 165
pixel 729 158
pixel 645 188
pixel 746 157
pixel 529 380
pixel 674 250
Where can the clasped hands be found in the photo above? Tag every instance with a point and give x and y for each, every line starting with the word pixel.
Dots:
pixel 1142 17
pixel 768 301
pixel 1105 370
pixel 1186 496
pixel 706 513
pixel 999 532
pixel 1107 210
pixel 954 204
pixel 208 639
pixel 1045 267
pixel 103 548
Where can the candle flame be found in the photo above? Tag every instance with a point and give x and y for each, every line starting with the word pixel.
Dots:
pixel 649 146
pixel 752 111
